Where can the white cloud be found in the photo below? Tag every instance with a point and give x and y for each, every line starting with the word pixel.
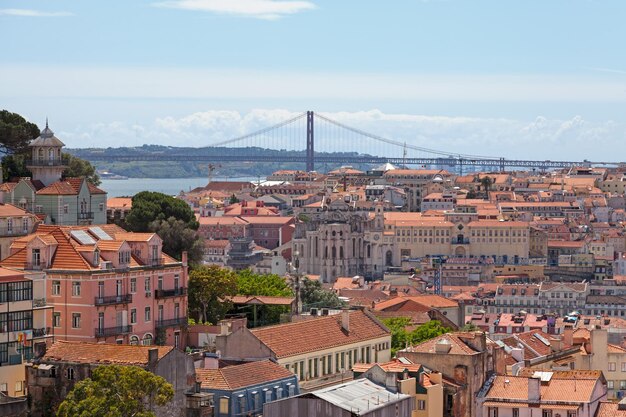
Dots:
pixel 260 9
pixel 543 138
pixel 33 13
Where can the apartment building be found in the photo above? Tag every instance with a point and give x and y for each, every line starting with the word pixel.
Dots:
pixel 14 222
pixel 417 183
pixel 546 394
pixel 319 351
pixel 25 325
pixel 106 284
pixel 64 201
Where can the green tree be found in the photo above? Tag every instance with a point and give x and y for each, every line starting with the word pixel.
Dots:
pixel 486 182
pixel 233 199
pixel 314 295
pixel 249 283
pixel 149 206
pixel 402 336
pixel 15 133
pixel 177 238
pixel 209 289
pixel 77 167
pixel 117 391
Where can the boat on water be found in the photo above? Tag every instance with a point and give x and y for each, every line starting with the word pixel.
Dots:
pixel 107 175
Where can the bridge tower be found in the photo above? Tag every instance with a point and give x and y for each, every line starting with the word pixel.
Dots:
pixel 310 142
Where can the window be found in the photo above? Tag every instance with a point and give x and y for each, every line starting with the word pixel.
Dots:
pixel 492 412
pixel 133 316
pixel 101 206
pixel 622 385
pixel 69 373
pixel 56 320
pixel 56 287
pixel 147 314
pixel 25 225
pixel 76 289
pixel 623 366
pixel 224 405
pixel 147 284
pixel 147 339
pixel 10 225
pixel 515 412
pixel 133 285
pixel 65 209
pixel 610 385
pixel 612 366
pixel 546 413
pixel 421 405
pixel 36 257
pixel 134 340
pixel 76 320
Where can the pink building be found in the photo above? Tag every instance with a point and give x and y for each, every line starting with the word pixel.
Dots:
pixel 106 284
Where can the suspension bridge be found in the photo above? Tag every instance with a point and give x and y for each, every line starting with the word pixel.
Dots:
pixel 339 144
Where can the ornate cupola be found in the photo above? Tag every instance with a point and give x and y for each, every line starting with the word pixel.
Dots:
pixel 46 164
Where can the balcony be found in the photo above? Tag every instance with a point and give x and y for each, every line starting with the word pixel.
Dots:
pixel 113 331
pixel 43 332
pixel 34 266
pixel 170 293
pixel 113 299
pixel 40 303
pixel 85 215
pixel 181 321
pixel 46 163
pixel 156 262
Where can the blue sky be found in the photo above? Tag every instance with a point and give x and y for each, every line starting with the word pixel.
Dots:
pixel 542 79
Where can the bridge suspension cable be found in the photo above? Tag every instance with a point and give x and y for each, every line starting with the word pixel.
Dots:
pixel 402 144
pixel 260 132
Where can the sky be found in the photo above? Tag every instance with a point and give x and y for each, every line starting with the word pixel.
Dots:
pixel 520 79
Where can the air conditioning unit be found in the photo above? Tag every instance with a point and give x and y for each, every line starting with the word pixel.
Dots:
pixel 148 294
pixel 106 265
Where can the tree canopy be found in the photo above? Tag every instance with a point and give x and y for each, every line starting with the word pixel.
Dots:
pixel 77 167
pixel 249 283
pixel 401 337
pixel 209 288
pixel 117 391
pixel 149 206
pixel 314 295
pixel 15 133
pixel 177 238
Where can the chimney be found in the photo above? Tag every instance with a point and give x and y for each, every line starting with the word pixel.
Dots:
pixel 555 344
pixel 534 390
pixel 435 377
pixel 345 320
pixel 568 336
pixel 224 328
pixel 153 356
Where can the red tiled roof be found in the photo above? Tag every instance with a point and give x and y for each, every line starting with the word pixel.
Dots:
pixel 239 376
pixel 609 409
pixel 101 353
pixel 317 334
pixel 458 346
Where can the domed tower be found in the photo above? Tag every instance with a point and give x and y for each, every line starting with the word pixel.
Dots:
pixel 46 163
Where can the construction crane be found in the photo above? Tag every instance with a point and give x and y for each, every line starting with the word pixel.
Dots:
pixel 213 167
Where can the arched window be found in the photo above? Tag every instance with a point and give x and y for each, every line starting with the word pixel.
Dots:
pixel 353 247
pixel 325 252
pixel 369 251
pixel 389 258
pixel 334 252
pixel 51 154
pixel 340 252
pixel 41 154
pixel 134 340
pixel 147 339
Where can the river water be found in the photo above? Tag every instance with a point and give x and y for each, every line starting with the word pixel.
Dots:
pixel 170 186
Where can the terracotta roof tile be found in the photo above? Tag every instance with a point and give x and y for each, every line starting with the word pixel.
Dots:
pixel 609 409
pixel 239 376
pixel 557 389
pixel 321 333
pixel 458 346
pixel 101 353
